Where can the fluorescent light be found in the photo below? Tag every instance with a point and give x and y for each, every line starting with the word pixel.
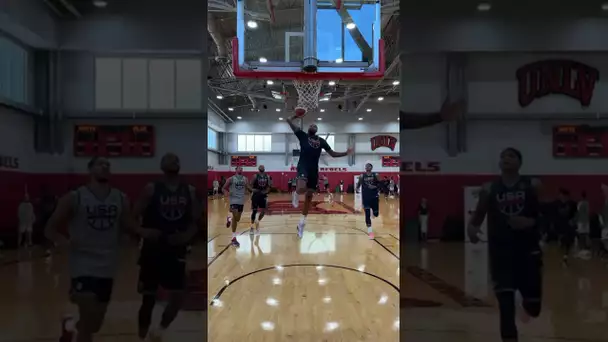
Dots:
pixel 219 97
pixel 263 60
pixel 238 117
pixel 351 26
pixel 252 24
pixel 484 7
pixel 395 83
pixel 278 109
pixel 100 3
pixel 269 82
pixel 319 119
pixel 231 109
pixel 332 83
pixel 360 119
pixel 280 119
pixel 339 60
pixel 380 98
pixel 322 110
pixel 369 109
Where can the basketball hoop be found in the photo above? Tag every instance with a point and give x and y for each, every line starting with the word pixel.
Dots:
pixel 308 93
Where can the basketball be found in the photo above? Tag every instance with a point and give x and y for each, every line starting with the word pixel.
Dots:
pixel 300 112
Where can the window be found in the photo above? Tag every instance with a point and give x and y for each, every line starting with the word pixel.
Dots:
pixel 254 143
pixel 211 139
pixel 13 71
pixel 330 140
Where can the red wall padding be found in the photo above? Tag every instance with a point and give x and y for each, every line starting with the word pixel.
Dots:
pixel 279 179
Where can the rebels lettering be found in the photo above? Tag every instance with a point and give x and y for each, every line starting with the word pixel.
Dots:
pixel 565 77
pixel 420 167
pixel 383 141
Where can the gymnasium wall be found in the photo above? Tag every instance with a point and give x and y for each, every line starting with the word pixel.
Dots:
pixel 496 120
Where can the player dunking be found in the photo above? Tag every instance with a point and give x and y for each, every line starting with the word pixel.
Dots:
pixel 236 187
pixel 512 207
pixel 308 166
pixel 260 184
pixel 170 208
pixel 370 197
pixel 95 214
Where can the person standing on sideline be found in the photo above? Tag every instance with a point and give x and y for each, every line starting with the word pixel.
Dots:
pixel 423 219
pixel 27 218
pixel 216 188
pixel 512 206
pixel 169 208
pixel 583 227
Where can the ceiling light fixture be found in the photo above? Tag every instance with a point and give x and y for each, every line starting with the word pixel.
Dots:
pixel 252 24
pixel 280 119
pixel 263 60
pixel 239 118
pixel 100 3
pixel 322 110
pixel 360 119
pixel 278 109
pixel 484 7
pixel 219 97
pixel 351 26
pixel 369 109
pixel 381 98
pixel 269 82
pixel 395 83
pixel 332 83
pixel 231 109
pixel 319 119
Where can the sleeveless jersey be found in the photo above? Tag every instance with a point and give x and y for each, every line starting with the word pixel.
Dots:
pixel 94 234
pixel 583 212
pixel 369 185
pixel 170 212
pixel 238 184
pixel 505 202
pixel 261 181
pixel 310 147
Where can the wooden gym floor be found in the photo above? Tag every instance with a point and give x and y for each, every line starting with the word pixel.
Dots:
pixel 333 285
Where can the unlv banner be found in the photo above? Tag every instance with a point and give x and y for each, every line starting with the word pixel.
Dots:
pixel 564 77
pixel 383 141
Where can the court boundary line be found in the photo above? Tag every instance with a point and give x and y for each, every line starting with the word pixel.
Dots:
pixel 225 286
pixel 222 251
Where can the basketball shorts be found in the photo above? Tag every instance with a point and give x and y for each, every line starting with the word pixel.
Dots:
pixel 522 273
pixel 237 207
pixel 168 273
pixel 100 287
pixel 311 174
pixel 371 202
pixel 259 201
pixel 25 228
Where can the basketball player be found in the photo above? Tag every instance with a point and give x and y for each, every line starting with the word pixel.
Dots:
pixel 583 227
pixel 216 188
pixel 565 223
pixel 95 214
pixel 168 207
pixel 308 166
pixel 27 217
pixel 391 188
pixel 260 184
pixel 423 218
pixel 236 187
pixel 512 206
pixel 369 196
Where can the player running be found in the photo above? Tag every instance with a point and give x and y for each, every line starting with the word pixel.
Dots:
pixel 260 184
pixel 370 197
pixel 236 187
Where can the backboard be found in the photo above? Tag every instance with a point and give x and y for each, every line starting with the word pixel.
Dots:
pixel 308 39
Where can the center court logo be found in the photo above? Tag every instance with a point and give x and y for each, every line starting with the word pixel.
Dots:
pixel 102 217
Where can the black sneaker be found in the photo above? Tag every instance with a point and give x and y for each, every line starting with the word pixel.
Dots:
pixel 235 243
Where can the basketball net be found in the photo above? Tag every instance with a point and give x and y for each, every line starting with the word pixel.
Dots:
pixel 308 93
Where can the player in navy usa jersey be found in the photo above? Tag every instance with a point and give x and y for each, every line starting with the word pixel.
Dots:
pixel 260 185
pixel 369 196
pixel 512 205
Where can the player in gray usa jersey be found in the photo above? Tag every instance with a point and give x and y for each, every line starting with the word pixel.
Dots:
pixel 236 186
pixel 95 215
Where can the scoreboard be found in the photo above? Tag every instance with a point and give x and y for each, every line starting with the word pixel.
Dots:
pixel 114 141
pixel 580 141
pixel 390 161
pixel 244 161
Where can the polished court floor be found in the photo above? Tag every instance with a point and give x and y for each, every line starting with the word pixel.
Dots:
pixel 332 285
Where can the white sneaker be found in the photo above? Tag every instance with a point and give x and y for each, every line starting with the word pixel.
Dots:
pixel 295 199
pixel 301 226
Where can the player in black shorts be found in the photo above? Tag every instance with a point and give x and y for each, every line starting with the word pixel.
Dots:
pixel 171 207
pixel 512 208
pixel 260 184
pixel 308 166
pixel 370 197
